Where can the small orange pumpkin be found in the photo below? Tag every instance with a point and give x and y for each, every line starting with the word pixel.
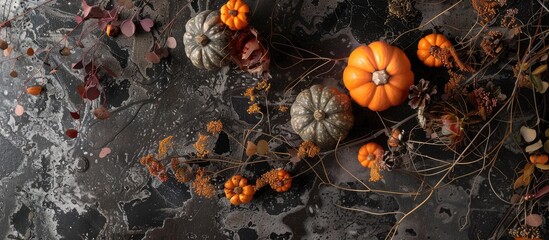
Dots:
pixel 368 153
pixel 426 45
pixel 238 191
pixel 234 14
pixel 34 90
pixel 539 158
pixel 283 181
pixel 378 76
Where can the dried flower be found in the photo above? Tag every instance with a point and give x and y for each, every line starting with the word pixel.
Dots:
pixel 254 108
pixel 421 94
pixel 200 146
pixel 486 9
pixel 526 232
pixel 250 92
pixel 307 149
pixel 509 20
pixel 486 99
pixel 156 168
pixel 202 185
pixel 402 9
pixel 492 43
pixel 164 146
pixel 375 172
pixel 442 54
pixel 272 179
pixel 452 87
pixel 182 171
pixel 282 108
pixel 214 127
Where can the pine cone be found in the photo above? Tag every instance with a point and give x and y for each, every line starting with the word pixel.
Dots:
pixel 421 94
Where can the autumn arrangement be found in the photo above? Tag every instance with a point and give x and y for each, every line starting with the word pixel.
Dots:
pixel 458 115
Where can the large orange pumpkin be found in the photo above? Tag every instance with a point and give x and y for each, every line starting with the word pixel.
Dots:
pixel 238 191
pixel 426 45
pixel 234 14
pixel 378 76
pixel 368 153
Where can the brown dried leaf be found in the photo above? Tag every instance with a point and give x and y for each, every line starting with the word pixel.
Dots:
pixel 262 147
pixel 250 148
pixel 30 52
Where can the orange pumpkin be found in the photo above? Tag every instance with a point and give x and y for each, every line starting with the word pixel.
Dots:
pixel 234 14
pixel 368 153
pixel 283 181
pixel 426 45
pixel 238 191
pixel 378 76
pixel 34 90
pixel 539 158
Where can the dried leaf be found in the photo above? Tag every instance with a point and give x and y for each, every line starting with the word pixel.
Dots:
pixel 262 147
pixel 528 169
pixel 65 51
pixel 109 71
pixel 126 3
pixel 540 69
pixel 162 52
pixel 546 146
pixel 104 152
pixel 534 147
pixel 19 110
pixel 152 57
pixel 101 113
pixel 533 220
pixel 127 27
pixel 528 134
pixel 13 74
pixel 7 51
pixel 542 166
pixel 249 48
pixel 521 181
pixel 75 115
pixel 34 90
pixel 171 42
pixel 146 24
pixel 78 65
pixel 516 198
pixel 30 52
pixel 78 19
pixel 71 133
pixel 3 44
pixel 250 148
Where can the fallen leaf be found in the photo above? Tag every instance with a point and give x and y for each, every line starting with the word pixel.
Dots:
pixel 71 133
pixel 533 147
pixel 542 192
pixel 14 74
pixel 19 110
pixel 533 220
pixel 30 52
pixel 101 113
pixel 250 148
pixel 85 9
pixel 528 134
pixel 104 152
pixel 152 57
pixel 75 115
pixel 542 166
pixel 7 51
pixel 128 28
pixel 171 42
pixel 65 51
pixel 146 24
pixel 262 147
pixel 92 93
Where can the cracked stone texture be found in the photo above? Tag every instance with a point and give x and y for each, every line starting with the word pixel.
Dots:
pixel 42 195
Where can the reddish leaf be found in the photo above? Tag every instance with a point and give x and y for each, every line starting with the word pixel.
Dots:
pixel 542 192
pixel 146 24
pixel 152 57
pixel 128 28
pixel 78 19
pixel 78 65
pixel 71 133
pixel 91 80
pixel 171 42
pixel 92 93
pixel 30 52
pixel 75 115
pixel 85 8
pixel 80 89
pixel 104 152
pixel 19 110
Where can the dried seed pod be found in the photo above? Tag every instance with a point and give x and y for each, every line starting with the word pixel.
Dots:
pixel 101 113
pixel 65 51
pixel 3 44
pixel 34 90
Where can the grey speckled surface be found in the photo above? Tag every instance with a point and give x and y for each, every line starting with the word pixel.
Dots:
pixel 42 196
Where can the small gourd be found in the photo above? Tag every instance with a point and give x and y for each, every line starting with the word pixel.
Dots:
pixel 378 76
pixel 283 181
pixel 238 191
pixel 207 41
pixel 427 44
pixel 368 153
pixel 322 115
pixel 234 14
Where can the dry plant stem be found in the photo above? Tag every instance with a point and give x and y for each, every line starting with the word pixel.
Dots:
pixel 461 65
pixel 369 212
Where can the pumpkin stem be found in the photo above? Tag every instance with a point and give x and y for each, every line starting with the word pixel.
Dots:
pixel 237 190
pixel 319 115
pixel 371 157
pixel 233 12
pixel 202 39
pixel 380 77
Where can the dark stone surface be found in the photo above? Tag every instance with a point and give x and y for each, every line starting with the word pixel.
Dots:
pixel 45 194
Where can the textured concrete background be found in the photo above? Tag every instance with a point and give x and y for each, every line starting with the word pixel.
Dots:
pixel 43 196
